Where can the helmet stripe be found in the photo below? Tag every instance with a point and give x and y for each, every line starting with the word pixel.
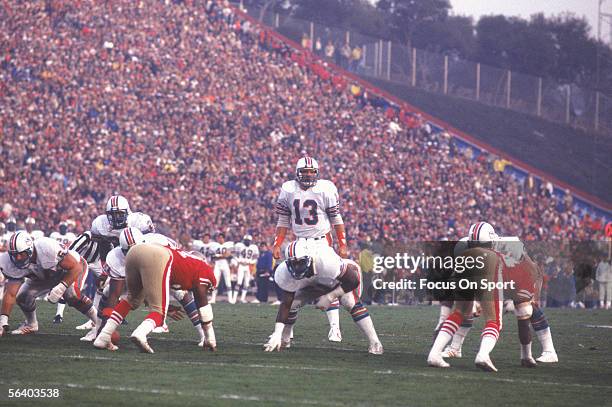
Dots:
pixel 13 242
pixel 477 230
pixel 130 237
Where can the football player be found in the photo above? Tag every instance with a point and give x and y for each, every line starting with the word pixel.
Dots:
pixel 95 244
pixel 115 268
pixel 246 254
pixel 34 268
pixel 310 206
pixel 524 272
pixel 150 271
pixel 315 272
pixel 203 246
pixel 64 238
pixel 481 238
pixel 29 227
pixel 221 253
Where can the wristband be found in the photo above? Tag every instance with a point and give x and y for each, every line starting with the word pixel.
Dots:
pixel 3 320
pixel 278 239
pixel 278 328
pixel 341 238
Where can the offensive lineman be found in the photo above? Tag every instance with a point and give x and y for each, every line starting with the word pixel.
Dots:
pixel 37 267
pixel 246 254
pixel 310 206
pixel 316 272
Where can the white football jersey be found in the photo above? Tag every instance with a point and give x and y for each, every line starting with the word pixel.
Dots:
pixel 49 253
pixel 138 220
pixel 218 249
pixel 327 267
pixel 512 250
pixel 311 210
pixel 65 240
pixel 115 259
pixel 37 234
pixel 246 254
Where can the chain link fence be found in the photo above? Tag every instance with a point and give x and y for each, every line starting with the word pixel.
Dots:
pixel 448 74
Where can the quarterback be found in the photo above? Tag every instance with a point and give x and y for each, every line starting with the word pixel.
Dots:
pixel 310 206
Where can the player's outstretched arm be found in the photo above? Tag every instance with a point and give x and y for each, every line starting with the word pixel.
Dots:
pixel 282 318
pixel 11 287
pixel 74 265
pixel 200 295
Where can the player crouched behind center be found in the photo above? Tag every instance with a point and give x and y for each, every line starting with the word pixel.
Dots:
pixel 316 272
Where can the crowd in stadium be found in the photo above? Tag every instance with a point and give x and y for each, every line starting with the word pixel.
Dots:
pixel 198 117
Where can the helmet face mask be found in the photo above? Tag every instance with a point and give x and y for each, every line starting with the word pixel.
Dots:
pixel 307 172
pixel 300 267
pixel 117 211
pixel 21 250
pixel 247 239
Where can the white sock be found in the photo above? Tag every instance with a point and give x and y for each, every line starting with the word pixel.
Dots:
pixel 60 309
pixel 526 351
pixel 367 327
pixel 442 339
pixel 333 316
pixel 545 338
pixel 244 294
pixel 93 315
pixel 213 297
pixel 487 343
pixel 444 313
pixel 459 337
pixel 110 327
pixel 200 331
pixel 144 328
pixel 31 317
pixel 96 300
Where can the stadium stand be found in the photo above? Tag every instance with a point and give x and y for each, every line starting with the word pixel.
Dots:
pixel 198 117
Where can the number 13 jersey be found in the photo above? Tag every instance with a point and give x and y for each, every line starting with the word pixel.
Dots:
pixel 311 212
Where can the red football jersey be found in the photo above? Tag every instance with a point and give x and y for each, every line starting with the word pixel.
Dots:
pixel 189 270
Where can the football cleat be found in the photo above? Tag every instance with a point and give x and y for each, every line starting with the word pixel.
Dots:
pixel 103 341
pixel 436 361
pixel 86 326
pixel 58 319
pixel 91 335
pixel 484 363
pixel 528 362
pixel 452 353
pixel 161 329
pixel 375 348
pixel 334 334
pixel 141 343
pixel 255 301
pixel 25 329
pixel 548 357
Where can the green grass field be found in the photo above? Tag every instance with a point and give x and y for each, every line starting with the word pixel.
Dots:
pixel 314 371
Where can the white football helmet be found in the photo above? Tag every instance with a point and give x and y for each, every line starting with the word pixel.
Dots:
pixel 307 180
pixel 299 263
pixel 247 239
pixel 130 237
pixel 21 249
pixel 117 211
pixel 482 232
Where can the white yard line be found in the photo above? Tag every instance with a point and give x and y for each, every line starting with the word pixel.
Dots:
pixel 454 376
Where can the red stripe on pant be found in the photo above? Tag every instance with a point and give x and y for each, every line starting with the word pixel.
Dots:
pixel 81 278
pixel 156 316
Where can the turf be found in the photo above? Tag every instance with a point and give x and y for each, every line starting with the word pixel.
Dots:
pixel 313 371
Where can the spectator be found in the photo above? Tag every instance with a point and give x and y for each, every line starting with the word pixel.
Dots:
pixel 263 273
pixel 604 281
